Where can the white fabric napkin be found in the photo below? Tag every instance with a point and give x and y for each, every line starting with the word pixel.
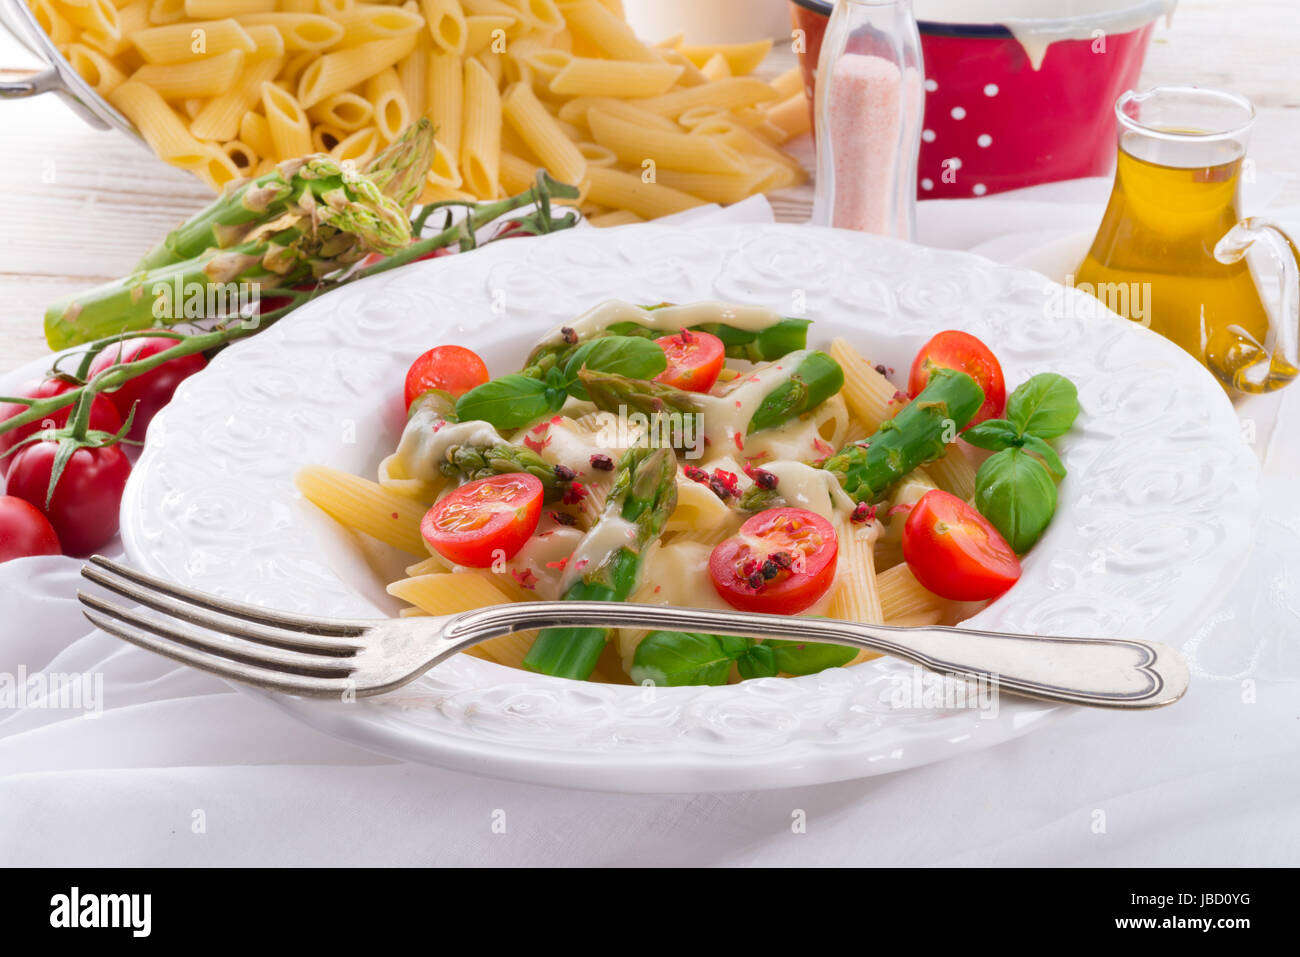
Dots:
pixel 164 765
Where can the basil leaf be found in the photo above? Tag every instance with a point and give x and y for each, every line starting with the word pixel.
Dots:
pixel 1014 491
pixel 679 658
pixel 627 356
pixel 1045 452
pixel 808 657
pixel 994 435
pixel 758 662
pixel 1045 405
pixel 509 402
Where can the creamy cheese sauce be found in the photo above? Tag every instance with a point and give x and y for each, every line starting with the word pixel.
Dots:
pixel 424 445
pixel 606 537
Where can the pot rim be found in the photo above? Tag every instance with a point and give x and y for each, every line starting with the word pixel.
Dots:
pixel 1001 30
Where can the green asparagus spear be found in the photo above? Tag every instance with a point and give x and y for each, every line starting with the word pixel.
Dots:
pixel 918 434
pixel 644 494
pixel 304 220
pixel 397 172
pixel 815 378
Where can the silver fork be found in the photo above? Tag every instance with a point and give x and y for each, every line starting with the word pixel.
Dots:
pixel 320 657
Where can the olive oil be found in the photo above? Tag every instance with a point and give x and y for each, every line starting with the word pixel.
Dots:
pixel 1174 198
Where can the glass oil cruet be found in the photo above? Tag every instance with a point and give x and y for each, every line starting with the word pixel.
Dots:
pixel 1171 248
pixel 869 111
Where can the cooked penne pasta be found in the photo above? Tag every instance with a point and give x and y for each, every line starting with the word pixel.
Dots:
pixel 870 396
pixel 856 597
pixel 902 597
pixel 365 506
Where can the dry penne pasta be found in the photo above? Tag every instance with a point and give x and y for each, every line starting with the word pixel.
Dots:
pixel 511 86
pixel 525 113
pixel 300 31
pixel 182 42
pixel 343 69
pixel 584 76
pixel 480 151
pixel 161 128
pixel 204 77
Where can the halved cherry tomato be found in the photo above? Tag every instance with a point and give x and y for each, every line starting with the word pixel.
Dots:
pixel 454 369
pixel 780 562
pixel 694 360
pixel 103 415
pixel 149 392
pixel 954 551
pixel 485 520
pixel 84 508
pixel 962 351
pixel 24 530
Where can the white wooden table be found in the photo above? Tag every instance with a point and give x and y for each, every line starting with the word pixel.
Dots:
pixel 82 205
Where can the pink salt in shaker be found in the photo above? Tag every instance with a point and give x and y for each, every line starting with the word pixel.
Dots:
pixel 870 105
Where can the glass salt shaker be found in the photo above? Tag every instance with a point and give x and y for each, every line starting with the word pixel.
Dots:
pixel 869 110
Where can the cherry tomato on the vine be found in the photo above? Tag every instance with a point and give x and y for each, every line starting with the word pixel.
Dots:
pixel 85 504
pixel 24 530
pixel 151 390
pixel 103 415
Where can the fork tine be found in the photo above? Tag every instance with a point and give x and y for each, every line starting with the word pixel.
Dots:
pixel 222 667
pixel 294 662
pixel 224 622
pixel 281 619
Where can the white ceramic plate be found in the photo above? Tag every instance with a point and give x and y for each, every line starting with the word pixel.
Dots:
pixel 1159 505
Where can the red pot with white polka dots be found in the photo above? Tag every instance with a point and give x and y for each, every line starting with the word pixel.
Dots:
pixel 1016 103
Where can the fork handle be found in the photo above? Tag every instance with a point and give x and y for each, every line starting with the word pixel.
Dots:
pixel 1103 672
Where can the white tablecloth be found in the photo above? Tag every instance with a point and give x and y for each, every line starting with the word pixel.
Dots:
pixel 179 769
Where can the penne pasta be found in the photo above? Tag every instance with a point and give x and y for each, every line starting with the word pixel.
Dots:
pixel 740 58
pixel 182 42
pixel 607 31
pixel 161 128
pixel 358 147
pixel 345 68
pixel 583 76
pixel 856 597
pixel 198 78
pixel 870 396
pixel 94 67
pixel 526 115
pixel 384 91
pixel 480 151
pixel 366 23
pixel 791 116
pixel 485 31
pixel 300 31
pixel 290 131
pixel 365 506
pixel 445 22
pixel 903 598
pixel 217 9
pixel 725 94
pixel 634 144
pixel 344 111
pixel 619 190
